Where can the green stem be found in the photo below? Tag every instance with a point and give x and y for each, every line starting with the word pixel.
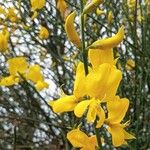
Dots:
pixel 84 52
pixel 98 137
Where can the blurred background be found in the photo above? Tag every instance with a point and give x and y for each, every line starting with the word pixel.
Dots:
pixel 26 120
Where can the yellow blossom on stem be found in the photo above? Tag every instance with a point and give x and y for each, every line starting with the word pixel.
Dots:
pixel 4 37
pixel 17 65
pixel 35 75
pixel 68 102
pixel 117 109
pixel 44 33
pixel 62 7
pixel 80 140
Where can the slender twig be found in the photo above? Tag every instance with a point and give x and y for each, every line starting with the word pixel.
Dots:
pixel 98 136
pixel 85 61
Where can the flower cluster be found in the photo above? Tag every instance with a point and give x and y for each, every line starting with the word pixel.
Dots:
pixel 98 88
pixel 95 93
pixel 18 69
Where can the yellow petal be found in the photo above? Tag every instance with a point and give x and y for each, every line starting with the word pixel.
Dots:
pixel 64 104
pixel 101 116
pixel 92 140
pixel 71 31
pixel 34 74
pixel 40 85
pixel 62 7
pixel 109 43
pixel 92 6
pixel 17 64
pixel 77 138
pixel 4 38
pixel 88 147
pixel 96 81
pixel 98 57
pixel 113 82
pixel 37 4
pixel 128 136
pixel 81 107
pixel 117 135
pixel 9 81
pixel 51 103
pixel 92 111
pixel 79 84
pixel 117 109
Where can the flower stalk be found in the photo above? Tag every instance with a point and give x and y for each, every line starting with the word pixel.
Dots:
pixel 84 52
pixel 98 137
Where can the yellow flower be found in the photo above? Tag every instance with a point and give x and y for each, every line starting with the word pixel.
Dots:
pixel 9 81
pixel 109 43
pixel 62 7
pixel 34 74
pixel 17 65
pixel 80 140
pixel 40 85
pixel 101 85
pixel 68 102
pixel 44 33
pixel 110 17
pixel 37 4
pixel 130 64
pixel 117 109
pixel 71 31
pixel 4 37
pixel 11 14
pixel 94 109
